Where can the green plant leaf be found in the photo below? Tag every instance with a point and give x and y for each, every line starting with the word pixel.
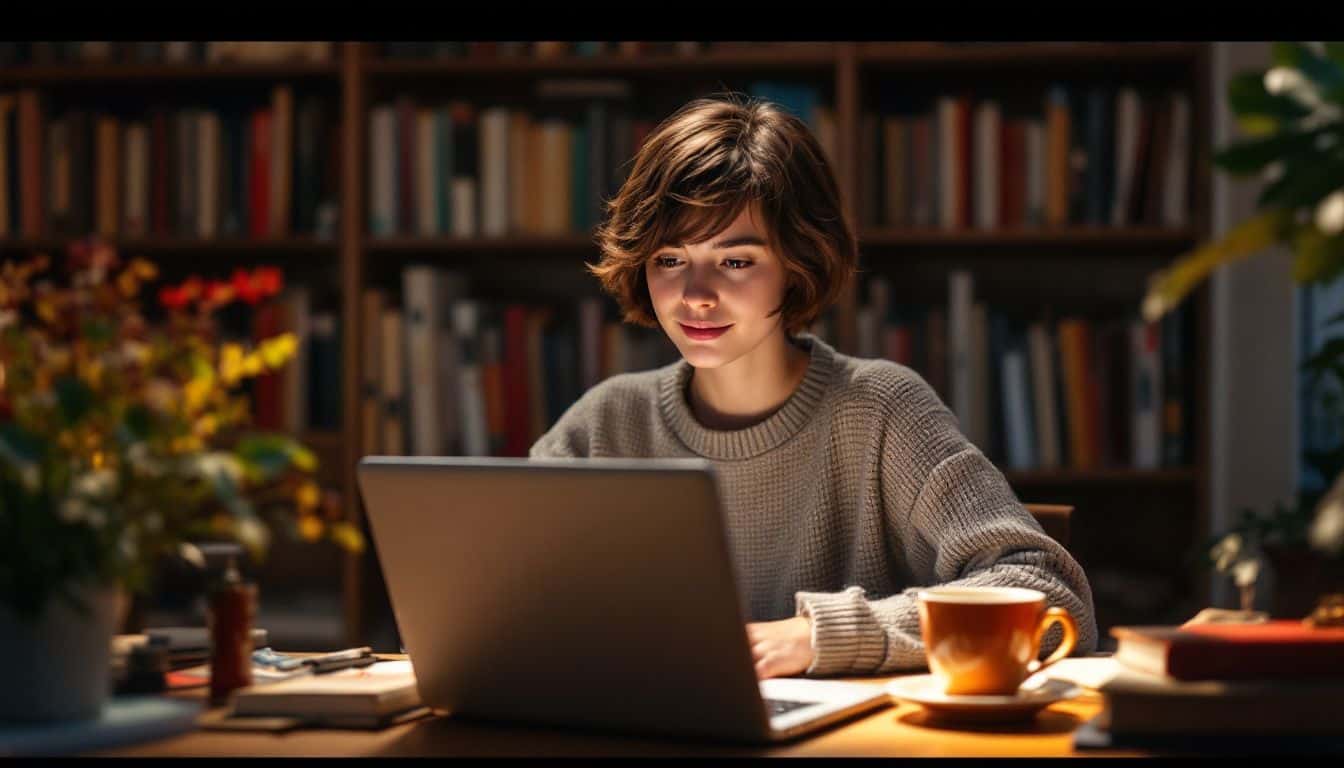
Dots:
pixel 1306 181
pixel 1168 287
pixel 1318 258
pixel 1247 157
pixel 74 398
pixel 1247 96
pixel 1325 73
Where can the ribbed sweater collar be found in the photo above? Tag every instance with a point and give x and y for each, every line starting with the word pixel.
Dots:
pixel 756 439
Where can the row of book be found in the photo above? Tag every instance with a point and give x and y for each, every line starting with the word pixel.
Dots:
pixel 1042 393
pixel 447 373
pixel 261 171
pixel 496 49
pixel 38 53
pixel 466 169
pixel 1096 156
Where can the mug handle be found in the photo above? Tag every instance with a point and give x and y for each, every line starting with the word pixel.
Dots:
pixel 1051 616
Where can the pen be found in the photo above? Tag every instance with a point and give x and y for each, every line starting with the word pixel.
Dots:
pixel 338 664
pixel 348 653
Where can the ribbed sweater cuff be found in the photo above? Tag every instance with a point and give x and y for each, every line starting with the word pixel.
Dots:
pixel 846 638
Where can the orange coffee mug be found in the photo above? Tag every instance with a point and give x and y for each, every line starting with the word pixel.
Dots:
pixel 984 640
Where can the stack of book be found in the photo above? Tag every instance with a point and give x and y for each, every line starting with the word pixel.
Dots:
pixel 1273 686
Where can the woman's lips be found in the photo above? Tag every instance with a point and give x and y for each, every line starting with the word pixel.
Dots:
pixel 703 334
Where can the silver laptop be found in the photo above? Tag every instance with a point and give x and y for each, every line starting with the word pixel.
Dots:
pixel 580 592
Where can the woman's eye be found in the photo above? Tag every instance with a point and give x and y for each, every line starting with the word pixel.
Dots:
pixel 665 262
pixel 737 263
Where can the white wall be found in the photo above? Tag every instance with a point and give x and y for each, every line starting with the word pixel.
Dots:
pixel 1252 397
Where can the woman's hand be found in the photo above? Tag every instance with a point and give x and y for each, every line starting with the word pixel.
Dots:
pixel 781 648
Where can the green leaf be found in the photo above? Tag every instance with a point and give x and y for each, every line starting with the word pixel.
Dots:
pixel 139 421
pixel 99 330
pixel 1335 52
pixel 1305 181
pixel 1170 286
pixel 1323 72
pixel 1326 356
pixel 1247 96
pixel 268 455
pixel 1247 157
pixel 74 398
pixel 1318 258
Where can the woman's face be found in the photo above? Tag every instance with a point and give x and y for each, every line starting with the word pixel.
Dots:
pixel 712 298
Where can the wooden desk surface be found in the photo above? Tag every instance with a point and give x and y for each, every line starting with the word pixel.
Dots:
pixel 901 730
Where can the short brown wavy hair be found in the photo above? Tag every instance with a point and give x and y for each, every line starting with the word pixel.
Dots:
pixel 697 171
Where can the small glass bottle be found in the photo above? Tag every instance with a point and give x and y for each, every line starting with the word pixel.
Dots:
pixel 233 607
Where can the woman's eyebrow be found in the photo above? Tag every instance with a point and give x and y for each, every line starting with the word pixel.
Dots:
pixel 733 242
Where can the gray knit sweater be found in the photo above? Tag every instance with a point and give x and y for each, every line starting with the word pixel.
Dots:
pixel 842 503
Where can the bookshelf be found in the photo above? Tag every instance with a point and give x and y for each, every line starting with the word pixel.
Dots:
pixel 1139 522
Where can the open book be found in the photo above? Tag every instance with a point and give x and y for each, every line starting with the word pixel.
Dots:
pixel 367 697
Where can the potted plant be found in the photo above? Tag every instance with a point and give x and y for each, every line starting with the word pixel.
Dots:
pixel 124 438
pixel 1293 115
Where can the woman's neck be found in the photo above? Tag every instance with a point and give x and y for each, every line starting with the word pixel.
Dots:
pixel 751 388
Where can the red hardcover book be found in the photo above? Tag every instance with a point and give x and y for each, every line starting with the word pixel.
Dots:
pixel 1277 649
pixel 517 415
pixel 266 389
pixel 259 178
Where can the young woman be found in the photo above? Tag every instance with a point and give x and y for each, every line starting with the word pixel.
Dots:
pixel 846 482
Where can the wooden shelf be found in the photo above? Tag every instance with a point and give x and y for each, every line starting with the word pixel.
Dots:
pixel 801 56
pixel 890 56
pixel 1176 477
pixel 1064 236
pixel 136 74
pixel 166 245
pixel 563 243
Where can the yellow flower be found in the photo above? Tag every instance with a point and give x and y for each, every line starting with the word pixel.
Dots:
pixel 347 536
pixel 310 527
pixel 252 365
pixel 143 269
pixel 230 363
pixel 195 392
pixel 92 371
pixel 186 444
pixel 275 351
pixel 308 496
pixel 207 425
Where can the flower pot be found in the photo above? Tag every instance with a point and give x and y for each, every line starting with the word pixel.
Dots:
pixel 57 665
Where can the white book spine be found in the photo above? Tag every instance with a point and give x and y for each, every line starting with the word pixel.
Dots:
pixel 1126 144
pixel 1175 211
pixel 420 323
pixel 1043 386
pixel 494 148
pixel 988 165
pixel 137 179
pixel 383 173
pixel 959 347
pixel 471 395
pixel 464 206
pixel 425 193
pixel 948 154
